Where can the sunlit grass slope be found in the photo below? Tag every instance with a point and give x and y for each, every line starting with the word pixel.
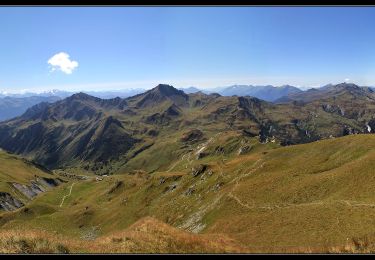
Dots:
pixel 312 197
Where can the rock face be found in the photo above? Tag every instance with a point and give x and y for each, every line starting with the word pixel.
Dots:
pixel 29 191
pixel 115 187
pixel 349 130
pixel 219 150
pixel 371 126
pixel 48 182
pixel 39 185
pixel 333 109
pixel 244 149
pixel 190 191
pixel 192 136
pixel 250 132
pixel 22 180
pixel 170 187
pixel 8 202
pixel 197 170
pixel 200 155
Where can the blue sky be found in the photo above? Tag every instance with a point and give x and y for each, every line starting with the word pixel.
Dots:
pixel 127 47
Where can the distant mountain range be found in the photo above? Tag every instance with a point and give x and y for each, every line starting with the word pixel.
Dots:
pixel 190 90
pixel 323 92
pixel 49 93
pixel 14 106
pixel 63 94
pixel 267 93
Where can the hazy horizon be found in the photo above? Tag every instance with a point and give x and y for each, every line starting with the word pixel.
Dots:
pixel 50 90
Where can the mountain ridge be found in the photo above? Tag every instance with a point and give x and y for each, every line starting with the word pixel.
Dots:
pixel 70 131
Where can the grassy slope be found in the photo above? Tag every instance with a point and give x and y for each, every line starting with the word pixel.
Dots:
pixel 316 194
pixel 146 235
pixel 274 199
pixel 15 169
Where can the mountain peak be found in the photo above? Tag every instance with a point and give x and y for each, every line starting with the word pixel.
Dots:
pixel 347 85
pixel 82 96
pixel 190 90
pixel 167 90
pixel 161 93
pixel 350 87
pixel 289 87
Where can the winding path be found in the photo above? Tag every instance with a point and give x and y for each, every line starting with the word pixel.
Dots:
pixel 70 192
pixel 231 195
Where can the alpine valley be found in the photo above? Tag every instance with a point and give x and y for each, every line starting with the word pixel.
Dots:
pixel 164 171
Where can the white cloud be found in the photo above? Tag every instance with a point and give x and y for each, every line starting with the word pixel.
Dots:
pixel 347 80
pixel 61 61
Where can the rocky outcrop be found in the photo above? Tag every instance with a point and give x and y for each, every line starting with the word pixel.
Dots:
pixel 244 149
pixel 152 132
pixel 370 127
pixel 190 191
pixel 170 187
pixel 199 169
pixel 250 132
pixel 173 110
pixel 200 155
pixel 192 136
pixel 219 150
pixel 8 202
pixel 29 191
pixel 347 130
pixel 49 182
pixel 248 108
pixel 116 187
pixel 333 109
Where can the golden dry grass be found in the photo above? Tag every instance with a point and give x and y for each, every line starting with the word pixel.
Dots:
pixel 147 235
